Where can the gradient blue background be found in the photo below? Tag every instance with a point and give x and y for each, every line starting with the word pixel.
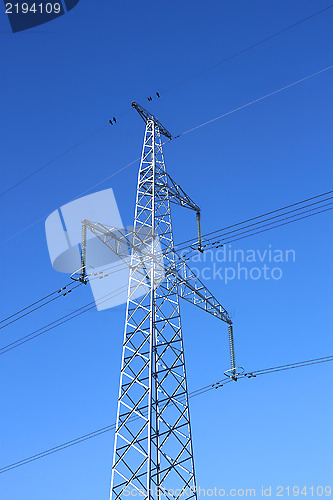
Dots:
pixel 64 80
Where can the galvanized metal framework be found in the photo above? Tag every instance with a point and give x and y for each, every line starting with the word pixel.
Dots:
pixel 153 455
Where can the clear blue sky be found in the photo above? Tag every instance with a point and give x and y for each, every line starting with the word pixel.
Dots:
pixel 63 81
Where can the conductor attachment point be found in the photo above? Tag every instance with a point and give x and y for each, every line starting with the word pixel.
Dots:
pixel 234 373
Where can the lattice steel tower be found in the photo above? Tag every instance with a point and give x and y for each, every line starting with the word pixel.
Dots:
pixel 153 452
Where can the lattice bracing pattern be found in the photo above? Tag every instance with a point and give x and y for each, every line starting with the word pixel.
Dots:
pixel 193 290
pixel 153 447
pixel 153 456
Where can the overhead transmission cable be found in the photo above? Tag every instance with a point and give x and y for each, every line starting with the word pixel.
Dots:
pixel 14 317
pixel 41 219
pixel 64 319
pixel 225 241
pixel 222 242
pixel 208 237
pixel 290 366
pixel 254 101
pixel 77 312
pixel 273 227
pixel 260 216
pixel 182 82
pixel 197 392
pixel 247 49
pixel 238 234
pixel 18 183
pixel 58 290
pixel 68 287
pixel 179 136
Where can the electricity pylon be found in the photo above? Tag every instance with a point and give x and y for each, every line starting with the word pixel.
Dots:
pixel 153 454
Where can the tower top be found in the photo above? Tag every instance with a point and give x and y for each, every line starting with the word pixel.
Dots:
pixel 145 115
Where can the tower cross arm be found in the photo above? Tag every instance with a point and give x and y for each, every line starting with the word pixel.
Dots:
pixel 146 115
pixel 117 240
pixel 122 244
pixel 176 194
pixel 194 291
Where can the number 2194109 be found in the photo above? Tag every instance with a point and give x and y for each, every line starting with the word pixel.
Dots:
pixel 35 8
pixel 296 491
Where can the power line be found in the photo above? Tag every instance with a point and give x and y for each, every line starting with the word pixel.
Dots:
pixel 255 101
pixel 86 307
pixel 260 216
pixel 247 49
pixel 59 291
pixel 239 234
pixel 260 225
pixel 53 160
pixel 73 285
pixel 60 321
pixel 290 366
pixel 274 227
pixel 38 332
pixel 222 242
pixel 61 447
pixel 182 82
pixel 37 301
pixel 108 177
pixel 78 196
pixel 179 136
pixel 201 391
pixel 68 317
pixel 198 392
pixel 221 232
pixel 45 328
